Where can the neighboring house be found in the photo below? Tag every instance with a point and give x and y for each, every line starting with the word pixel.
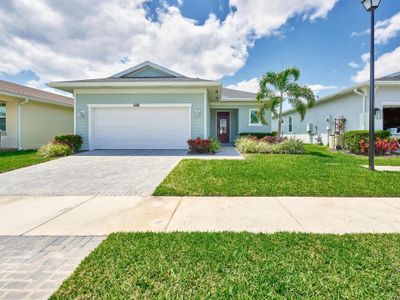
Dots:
pixel 353 105
pixel 151 107
pixel 30 117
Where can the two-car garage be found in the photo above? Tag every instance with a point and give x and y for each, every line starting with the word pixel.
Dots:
pixel 134 126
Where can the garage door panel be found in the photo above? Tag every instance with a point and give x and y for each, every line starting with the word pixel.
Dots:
pixel 140 128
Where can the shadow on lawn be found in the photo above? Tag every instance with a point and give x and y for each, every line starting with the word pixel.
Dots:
pixel 318 153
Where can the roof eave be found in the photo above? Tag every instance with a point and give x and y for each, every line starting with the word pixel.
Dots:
pixel 348 91
pixel 70 86
pixel 227 99
pixel 36 99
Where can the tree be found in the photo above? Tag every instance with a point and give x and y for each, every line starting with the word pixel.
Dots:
pixel 276 88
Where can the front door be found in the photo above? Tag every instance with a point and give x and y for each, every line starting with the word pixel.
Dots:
pixel 223 130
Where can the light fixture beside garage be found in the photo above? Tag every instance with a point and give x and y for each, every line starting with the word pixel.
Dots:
pixel 197 112
pixel 81 113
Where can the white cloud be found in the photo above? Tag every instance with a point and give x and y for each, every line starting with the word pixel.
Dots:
pixel 365 57
pixel 353 65
pixel 356 34
pixel 76 39
pixel 317 88
pixel 384 30
pixel 250 85
pixel 387 29
pixel 386 64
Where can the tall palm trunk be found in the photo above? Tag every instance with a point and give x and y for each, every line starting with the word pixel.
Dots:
pixel 280 118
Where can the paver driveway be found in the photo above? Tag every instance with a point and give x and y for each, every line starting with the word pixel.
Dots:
pixel 106 172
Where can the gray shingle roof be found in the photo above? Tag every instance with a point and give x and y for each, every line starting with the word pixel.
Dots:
pixel 35 94
pixel 391 77
pixel 235 94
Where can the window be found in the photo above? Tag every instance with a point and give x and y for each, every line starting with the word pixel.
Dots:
pixel 253 118
pixel 2 116
pixel 290 124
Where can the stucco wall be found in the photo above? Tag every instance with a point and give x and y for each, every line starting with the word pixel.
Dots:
pixel 11 140
pixel 350 106
pixel 41 122
pixel 83 99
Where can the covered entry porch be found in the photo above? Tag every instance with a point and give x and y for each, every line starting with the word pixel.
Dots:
pixel 224 125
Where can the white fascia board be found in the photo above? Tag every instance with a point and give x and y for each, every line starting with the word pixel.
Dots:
pixel 76 85
pixel 160 105
pixel 229 104
pixel 237 99
pixel 139 91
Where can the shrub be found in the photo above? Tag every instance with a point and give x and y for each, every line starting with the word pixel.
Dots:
pixel 254 145
pixel 55 150
pixel 289 146
pixel 382 146
pixel 352 138
pixel 258 135
pixel 75 141
pixel 247 145
pixel 215 145
pixel 199 145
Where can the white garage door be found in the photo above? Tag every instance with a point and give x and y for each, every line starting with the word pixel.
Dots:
pixel 140 127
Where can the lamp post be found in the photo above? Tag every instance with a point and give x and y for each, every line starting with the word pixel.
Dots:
pixel 371 6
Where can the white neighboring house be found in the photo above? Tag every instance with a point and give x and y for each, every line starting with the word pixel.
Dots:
pixel 351 104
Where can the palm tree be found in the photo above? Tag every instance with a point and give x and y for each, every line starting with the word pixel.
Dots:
pixel 276 88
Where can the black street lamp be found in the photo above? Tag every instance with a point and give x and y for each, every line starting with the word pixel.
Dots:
pixel 371 6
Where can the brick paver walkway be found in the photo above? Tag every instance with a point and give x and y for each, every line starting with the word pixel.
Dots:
pixel 33 267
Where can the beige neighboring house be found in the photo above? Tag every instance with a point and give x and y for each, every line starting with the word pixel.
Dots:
pixel 30 117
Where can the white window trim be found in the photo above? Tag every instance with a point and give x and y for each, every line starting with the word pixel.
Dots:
pixel 290 124
pixel 4 117
pixel 253 124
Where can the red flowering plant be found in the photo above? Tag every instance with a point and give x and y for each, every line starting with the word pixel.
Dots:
pixel 382 146
pixel 199 145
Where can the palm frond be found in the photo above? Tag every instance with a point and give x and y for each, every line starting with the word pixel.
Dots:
pixel 301 98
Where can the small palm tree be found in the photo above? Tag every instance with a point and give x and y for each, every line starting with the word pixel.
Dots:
pixel 276 88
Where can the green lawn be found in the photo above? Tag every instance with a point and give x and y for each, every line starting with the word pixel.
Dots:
pixel 18 159
pixel 238 266
pixel 318 172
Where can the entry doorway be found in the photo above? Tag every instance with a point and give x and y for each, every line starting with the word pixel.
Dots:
pixel 391 119
pixel 223 126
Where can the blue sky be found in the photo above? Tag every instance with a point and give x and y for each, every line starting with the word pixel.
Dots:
pixel 238 45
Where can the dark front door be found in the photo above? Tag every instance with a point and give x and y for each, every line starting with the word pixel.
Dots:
pixel 223 130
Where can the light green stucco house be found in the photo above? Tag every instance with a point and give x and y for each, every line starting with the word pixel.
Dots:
pixel 30 117
pixel 151 107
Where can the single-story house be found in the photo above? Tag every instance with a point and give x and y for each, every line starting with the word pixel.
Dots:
pixel 351 104
pixel 30 117
pixel 151 107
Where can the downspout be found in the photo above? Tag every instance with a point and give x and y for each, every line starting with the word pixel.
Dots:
pixel 364 105
pixel 20 123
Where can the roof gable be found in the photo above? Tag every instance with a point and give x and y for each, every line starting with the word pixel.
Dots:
pixel 147 72
pixel 147 69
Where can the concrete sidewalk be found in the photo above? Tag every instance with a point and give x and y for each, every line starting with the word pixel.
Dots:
pixel 101 215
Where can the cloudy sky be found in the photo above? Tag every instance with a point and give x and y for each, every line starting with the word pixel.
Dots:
pixel 234 41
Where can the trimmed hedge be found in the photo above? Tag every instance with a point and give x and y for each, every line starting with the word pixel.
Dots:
pixel 75 141
pixel 258 135
pixel 352 138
